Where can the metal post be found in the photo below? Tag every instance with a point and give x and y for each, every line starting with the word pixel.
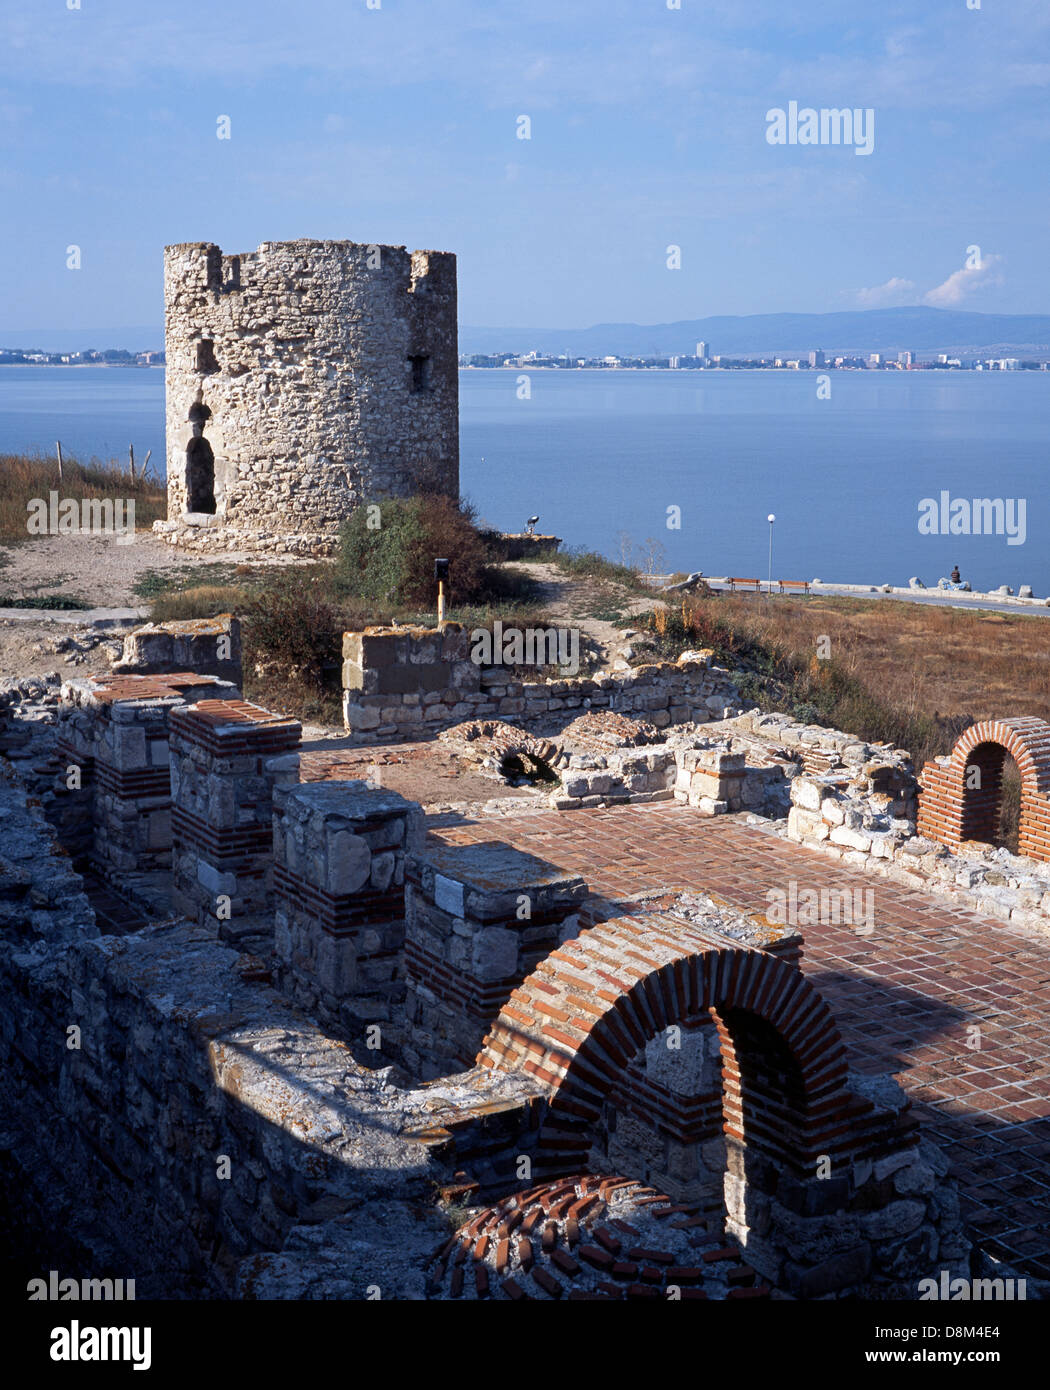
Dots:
pixel 769 573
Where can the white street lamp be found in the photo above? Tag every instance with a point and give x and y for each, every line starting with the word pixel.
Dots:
pixel 769 577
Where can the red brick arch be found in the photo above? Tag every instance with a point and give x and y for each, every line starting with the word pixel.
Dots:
pixel 951 811
pixel 577 1022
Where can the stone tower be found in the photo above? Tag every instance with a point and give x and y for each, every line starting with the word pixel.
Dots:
pixel 305 379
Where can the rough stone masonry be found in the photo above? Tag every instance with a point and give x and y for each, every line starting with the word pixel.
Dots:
pixel 305 379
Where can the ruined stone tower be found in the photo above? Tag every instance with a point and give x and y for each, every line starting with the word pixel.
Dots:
pixel 305 379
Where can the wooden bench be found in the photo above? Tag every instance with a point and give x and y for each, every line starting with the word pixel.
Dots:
pixel 754 584
pixel 793 584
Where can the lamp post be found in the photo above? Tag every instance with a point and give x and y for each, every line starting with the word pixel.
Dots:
pixel 441 575
pixel 769 575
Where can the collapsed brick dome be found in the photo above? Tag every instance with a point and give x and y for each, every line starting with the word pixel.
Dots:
pixel 591 1237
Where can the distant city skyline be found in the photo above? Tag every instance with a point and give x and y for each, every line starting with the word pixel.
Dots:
pixel 646 186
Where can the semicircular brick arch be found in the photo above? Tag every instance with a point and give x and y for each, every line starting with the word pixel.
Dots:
pixel 576 1023
pixel 961 799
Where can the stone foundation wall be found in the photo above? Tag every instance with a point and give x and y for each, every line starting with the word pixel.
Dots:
pixel 409 683
pixel 876 832
pixel 41 897
pixel 200 1120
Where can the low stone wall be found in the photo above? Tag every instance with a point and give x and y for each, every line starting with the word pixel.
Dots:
pixel 746 763
pixel 408 683
pixel 209 646
pixel 875 830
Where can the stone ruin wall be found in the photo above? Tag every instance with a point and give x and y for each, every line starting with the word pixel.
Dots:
pixel 189 1058
pixel 409 683
pixel 192 1048
pixel 320 375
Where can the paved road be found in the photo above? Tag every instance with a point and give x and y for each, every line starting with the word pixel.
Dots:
pixel 934 598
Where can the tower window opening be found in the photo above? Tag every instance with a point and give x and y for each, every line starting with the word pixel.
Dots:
pixel 200 476
pixel 206 356
pixel 420 372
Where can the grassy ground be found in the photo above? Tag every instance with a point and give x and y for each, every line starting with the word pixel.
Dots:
pixel 25 478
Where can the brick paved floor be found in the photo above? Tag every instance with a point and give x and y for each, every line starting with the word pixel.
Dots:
pixel 905 997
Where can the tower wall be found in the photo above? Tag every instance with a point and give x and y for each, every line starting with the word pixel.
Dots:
pixel 305 379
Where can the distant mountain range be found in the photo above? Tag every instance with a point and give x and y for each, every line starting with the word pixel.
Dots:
pixel 919 329
pixel 763 335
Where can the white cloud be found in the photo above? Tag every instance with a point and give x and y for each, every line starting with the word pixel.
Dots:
pixel 894 292
pixel 962 283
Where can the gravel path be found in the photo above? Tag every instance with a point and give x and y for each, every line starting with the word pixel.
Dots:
pixel 572 602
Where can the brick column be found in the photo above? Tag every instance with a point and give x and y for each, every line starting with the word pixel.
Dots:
pixel 118 736
pixel 339 852
pixel 227 758
pixel 478 919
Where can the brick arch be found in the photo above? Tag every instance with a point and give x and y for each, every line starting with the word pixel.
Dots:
pixel 951 812
pixel 577 1022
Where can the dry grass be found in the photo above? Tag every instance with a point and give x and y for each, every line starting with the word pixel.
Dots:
pixel 929 661
pixel 888 672
pixel 24 478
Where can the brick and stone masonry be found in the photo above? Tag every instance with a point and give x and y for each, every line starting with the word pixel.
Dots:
pixel 826 1188
pixel 116 734
pixel 339 852
pixel 478 919
pixel 961 795
pixel 227 756
pixel 305 379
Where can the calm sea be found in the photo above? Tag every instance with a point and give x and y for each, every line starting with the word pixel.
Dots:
pixel 597 454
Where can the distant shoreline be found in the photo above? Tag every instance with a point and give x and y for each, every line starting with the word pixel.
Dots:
pixel 75 366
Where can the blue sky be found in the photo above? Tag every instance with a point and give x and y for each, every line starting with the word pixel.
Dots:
pixel 398 125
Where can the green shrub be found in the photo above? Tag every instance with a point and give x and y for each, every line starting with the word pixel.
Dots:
pixel 54 602
pixel 394 562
